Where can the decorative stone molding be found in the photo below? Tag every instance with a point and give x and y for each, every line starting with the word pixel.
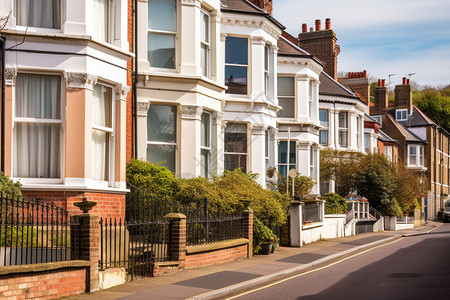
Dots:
pixel 258 129
pixel 303 77
pixel 80 80
pixel 258 40
pixel 216 16
pixel 224 124
pixel 190 2
pixel 217 117
pixel 223 37
pixel 10 76
pixel 142 109
pixel 273 133
pixel 255 23
pixel 122 91
pixel 304 145
pixel 191 112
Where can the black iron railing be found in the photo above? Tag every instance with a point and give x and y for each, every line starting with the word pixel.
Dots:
pixel 203 226
pixel 32 232
pixel 312 212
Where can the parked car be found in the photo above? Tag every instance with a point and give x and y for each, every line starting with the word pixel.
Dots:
pixel 447 211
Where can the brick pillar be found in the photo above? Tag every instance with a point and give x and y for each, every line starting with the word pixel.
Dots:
pixel 85 237
pixel 177 239
pixel 247 229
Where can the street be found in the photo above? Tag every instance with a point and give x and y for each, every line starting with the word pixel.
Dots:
pixel 415 267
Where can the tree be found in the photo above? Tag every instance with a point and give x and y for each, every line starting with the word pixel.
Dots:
pixel 377 181
pixel 435 104
pixel 409 189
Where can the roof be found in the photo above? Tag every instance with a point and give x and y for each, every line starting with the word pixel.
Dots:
pixel 410 137
pixel 385 138
pixel 418 118
pixel 246 7
pixel 329 86
pixel 287 48
pixel 368 118
pixel 363 98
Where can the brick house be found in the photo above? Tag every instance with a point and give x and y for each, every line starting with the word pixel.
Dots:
pixel 423 144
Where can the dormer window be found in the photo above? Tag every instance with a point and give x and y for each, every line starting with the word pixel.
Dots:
pixel 401 114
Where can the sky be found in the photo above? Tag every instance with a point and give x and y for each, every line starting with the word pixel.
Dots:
pixel 384 37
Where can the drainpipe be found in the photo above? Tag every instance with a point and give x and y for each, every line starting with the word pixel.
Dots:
pixel 135 79
pixel 441 171
pixel 434 170
pixel 3 45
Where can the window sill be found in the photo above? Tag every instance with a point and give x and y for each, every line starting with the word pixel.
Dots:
pixel 72 187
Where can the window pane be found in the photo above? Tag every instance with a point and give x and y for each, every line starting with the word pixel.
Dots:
pixel 323 117
pixel 286 86
pixel 100 155
pixel 283 170
pixel 100 13
pixel 206 130
pixel 342 119
pixel 323 137
pixel 343 138
pixel 236 142
pixel 235 161
pixel 412 155
pixel 292 153
pixel 204 163
pixel 38 96
pixel 164 154
pixel 266 58
pixel 161 50
pixel 205 27
pixel 204 59
pixel 282 152
pixel 161 123
pixel 38 13
pixel 37 150
pixel 236 79
pixel 101 106
pixel 288 109
pixel 162 15
pixel 236 50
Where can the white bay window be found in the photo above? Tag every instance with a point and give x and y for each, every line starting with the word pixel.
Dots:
pixel 286 97
pixel 205 148
pixel 38 13
pixel 415 156
pixel 205 44
pixel 37 126
pixel 102 12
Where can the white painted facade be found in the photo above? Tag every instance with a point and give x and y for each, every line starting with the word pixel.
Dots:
pixel 73 49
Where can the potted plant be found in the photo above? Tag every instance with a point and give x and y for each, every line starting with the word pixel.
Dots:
pixel 271 171
pixel 263 238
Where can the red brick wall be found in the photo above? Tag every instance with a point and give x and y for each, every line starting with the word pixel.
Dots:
pixel 215 257
pixel 43 285
pixel 129 122
pixel 108 205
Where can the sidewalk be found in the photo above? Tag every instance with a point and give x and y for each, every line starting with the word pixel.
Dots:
pixel 221 280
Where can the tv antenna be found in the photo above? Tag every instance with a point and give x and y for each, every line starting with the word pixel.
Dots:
pixel 390 75
pixel 411 74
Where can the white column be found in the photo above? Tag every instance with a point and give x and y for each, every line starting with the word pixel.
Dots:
pixel 336 129
pixel 142 109
pixel 76 15
pixel 189 52
pixel 142 12
pixel 190 132
pixel 258 161
pixel 303 149
pixel 302 99
pixel 217 145
pixel 273 51
pixel 256 86
pixel 217 60
pixel 352 128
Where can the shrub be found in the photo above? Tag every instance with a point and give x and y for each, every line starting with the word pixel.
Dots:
pixel 18 236
pixel 302 185
pixel 333 202
pixel 9 187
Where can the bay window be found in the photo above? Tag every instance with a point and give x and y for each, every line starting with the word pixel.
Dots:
pixel 266 70
pixel 343 129
pixel 286 97
pixel 287 157
pixel 38 13
pixel 415 156
pixel 162 33
pixel 236 146
pixel 37 130
pixel 162 135
pixel 102 133
pixel 205 44
pixel 236 65
pixel 323 132
pixel 205 148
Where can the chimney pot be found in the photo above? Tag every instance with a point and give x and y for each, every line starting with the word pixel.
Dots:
pixel 379 82
pixel 407 81
pixel 365 74
pixel 404 80
pixel 311 29
pixel 317 25
pixel 327 23
pixel 304 27
pixel 383 81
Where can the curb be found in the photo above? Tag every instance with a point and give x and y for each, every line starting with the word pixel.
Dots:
pixel 420 233
pixel 227 291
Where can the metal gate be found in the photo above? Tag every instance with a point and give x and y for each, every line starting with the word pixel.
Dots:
pixel 139 241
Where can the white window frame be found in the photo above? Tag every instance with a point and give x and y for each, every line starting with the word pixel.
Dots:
pixel 388 152
pixel 288 97
pixel 111 134
pixel 358 131
pixel 41 29
pixel 205 44
pixel 247 66
pixel 288 158
pixel 343 129
pixel 325 128
pixel 207 149
pixel 111 13
pixel 403 114
pixel 310 99
pixel 246 154
pixel 29 180
pixel 266 70
pixel 165 32
pixel 419 155
pixel 312 157
pixel 367 142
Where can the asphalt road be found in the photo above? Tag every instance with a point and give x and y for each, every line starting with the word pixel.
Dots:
pixel 416 267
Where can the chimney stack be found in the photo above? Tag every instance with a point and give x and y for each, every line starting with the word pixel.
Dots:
pixel 359 82
pixel 381 98
pixel 318 25
pixel 321 43
pixel 403 95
